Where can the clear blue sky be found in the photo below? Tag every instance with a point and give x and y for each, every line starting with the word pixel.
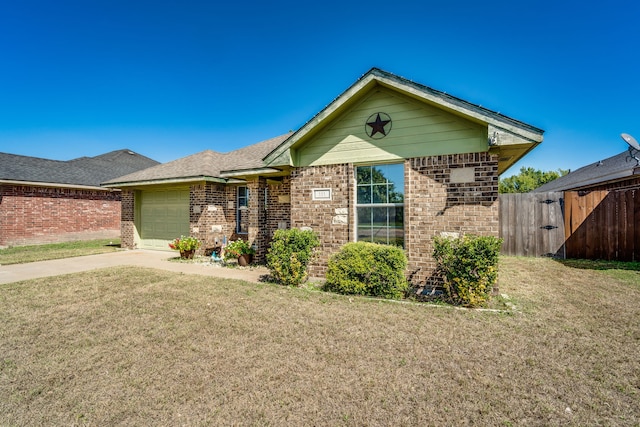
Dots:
pixel 170 78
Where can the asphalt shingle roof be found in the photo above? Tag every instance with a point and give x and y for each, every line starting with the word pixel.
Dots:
pixel 614 168
pixel 206 163
pixel 86 171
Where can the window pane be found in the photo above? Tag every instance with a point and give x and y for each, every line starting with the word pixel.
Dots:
pixel 379 225
pixel 395 176
pixel 379 193
pixel 377 175
pixel 363 174
pixel 364 194
pixel 243 221
pixel 364 224
pixel 395 196
pixel 242 213
pixel 396 226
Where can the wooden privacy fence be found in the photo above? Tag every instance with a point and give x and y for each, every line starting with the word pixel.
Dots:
pixel 532 224
pixel 603 225
pixel 590 224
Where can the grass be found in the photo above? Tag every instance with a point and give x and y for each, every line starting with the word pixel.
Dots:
pixel 24 254
pixel 145 347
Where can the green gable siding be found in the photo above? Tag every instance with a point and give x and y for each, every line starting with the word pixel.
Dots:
pixel 418 129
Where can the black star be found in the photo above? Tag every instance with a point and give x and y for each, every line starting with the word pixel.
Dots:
pixel 378 126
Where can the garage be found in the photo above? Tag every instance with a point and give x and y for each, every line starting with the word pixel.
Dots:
pixel 164 216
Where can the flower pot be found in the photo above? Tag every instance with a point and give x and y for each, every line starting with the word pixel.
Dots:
pixel 244 260
pixel 187 254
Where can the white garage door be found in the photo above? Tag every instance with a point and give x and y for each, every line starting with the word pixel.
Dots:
pixel 164 215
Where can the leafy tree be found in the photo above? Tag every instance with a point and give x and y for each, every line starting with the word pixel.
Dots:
pixel 528 179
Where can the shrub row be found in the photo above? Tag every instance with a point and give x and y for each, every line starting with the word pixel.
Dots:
pixel 468 266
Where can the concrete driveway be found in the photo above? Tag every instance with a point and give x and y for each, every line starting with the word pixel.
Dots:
pixel 139 257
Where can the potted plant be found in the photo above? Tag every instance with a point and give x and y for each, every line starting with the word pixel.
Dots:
pixel 240 249
pixel 186 245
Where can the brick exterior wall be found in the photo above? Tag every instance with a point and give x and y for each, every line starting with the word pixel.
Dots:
pixel 324 217
pixel 36 215
pixel 212 213
pixel 443 194
pixel 209 214
pixel 433 205
pixel 279 205
pixel 127 224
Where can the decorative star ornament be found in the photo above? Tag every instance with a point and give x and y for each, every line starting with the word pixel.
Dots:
pixel 378 125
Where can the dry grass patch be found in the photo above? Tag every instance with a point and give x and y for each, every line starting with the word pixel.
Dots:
pixel 144 347
pixel 25 254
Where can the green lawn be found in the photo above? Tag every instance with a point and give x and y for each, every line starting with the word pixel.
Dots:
pixel 134 346
pixel 24 254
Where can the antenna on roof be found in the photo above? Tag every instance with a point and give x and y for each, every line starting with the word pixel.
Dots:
pixel 634 147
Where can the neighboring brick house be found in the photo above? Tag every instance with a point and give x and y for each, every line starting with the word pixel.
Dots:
pixel 47 201
pixel 389 160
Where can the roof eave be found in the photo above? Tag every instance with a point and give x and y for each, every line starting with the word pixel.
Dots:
pixel 460 106
pixel 246 172
pixel 52 184
pixel 612 177
pixel 184 180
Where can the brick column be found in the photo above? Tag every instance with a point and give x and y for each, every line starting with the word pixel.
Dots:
pixel 127 219
pixel 331 219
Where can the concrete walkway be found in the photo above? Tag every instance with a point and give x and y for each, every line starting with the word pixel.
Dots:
pixel 139 257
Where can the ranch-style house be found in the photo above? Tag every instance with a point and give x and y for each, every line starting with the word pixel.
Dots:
pixel 389 161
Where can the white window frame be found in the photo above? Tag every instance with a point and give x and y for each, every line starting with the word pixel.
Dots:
pixel 377 205
pixel 241 207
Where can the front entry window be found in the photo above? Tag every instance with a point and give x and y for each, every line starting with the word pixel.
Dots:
pixel 380 204
pixel 242 213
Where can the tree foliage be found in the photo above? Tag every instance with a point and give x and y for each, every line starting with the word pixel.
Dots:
pixel 528 179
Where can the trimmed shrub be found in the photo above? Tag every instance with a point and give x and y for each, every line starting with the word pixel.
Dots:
pixel 469 266
pixel 364 268
pixel 290 254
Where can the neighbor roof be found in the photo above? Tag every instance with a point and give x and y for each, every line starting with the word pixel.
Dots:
pixel 614 168
pixel 83 171
pixel 206 165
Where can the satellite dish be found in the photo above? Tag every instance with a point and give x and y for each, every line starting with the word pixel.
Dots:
pixel 631 141
pixel 634 147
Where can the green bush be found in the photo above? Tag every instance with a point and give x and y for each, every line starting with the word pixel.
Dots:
pixel 364 268
pixel 290 254
pixel 469 266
